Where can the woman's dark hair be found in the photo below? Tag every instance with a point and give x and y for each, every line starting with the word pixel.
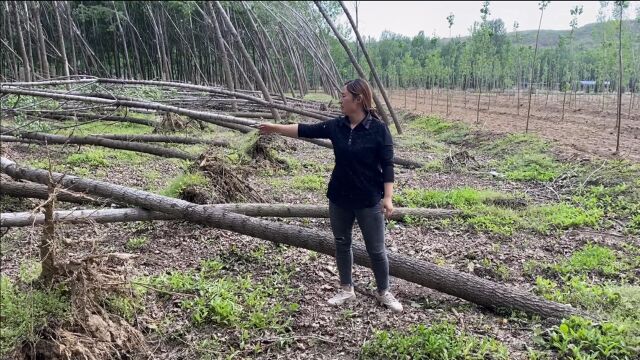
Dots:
pixel 360 87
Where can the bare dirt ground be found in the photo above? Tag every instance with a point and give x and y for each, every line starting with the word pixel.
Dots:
pixel 585 128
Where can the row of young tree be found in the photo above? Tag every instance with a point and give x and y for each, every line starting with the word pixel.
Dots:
pixel 492 59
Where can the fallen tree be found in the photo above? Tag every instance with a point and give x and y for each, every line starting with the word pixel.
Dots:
pixel 466 286
pixel 243 125
pixel 176 139
pixel 82 116
pixel 100 141
pixel 254 210
pixel 38 191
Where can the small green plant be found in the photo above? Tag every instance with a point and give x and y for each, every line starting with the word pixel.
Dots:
pixel 91 158
pixel 135 243
pixel 177 185
pixel 578 291
pixel 591 259
pixel 230 301
pixel 544 218
pixel 579 338
pixel 308 182
pixel 30 270
pixel 24 311
pixel 440 341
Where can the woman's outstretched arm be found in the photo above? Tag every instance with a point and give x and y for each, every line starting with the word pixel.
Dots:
pixel 285 130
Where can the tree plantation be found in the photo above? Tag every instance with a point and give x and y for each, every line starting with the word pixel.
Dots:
pixel 181 180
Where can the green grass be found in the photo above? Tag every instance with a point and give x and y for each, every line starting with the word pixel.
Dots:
pixel 25 311
pixel 308 182
pixel 104 127
pixel 238 302
pixel 522 157
pixel 490 211
pixel 440 341
pixel 92 158
pixel 442 130
pixel 322 97
pixel 178 184
pixel 592 259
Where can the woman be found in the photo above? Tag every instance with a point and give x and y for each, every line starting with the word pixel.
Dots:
pixel 361 185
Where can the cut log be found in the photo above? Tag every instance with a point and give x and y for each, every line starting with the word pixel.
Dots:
pixel 243 125
pixel 38 191
pixel 253 210
pixel 176 139
pixel 68 115
pixel 466 286
pixel 98 141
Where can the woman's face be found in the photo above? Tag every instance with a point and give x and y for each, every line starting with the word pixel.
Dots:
pixel 349 103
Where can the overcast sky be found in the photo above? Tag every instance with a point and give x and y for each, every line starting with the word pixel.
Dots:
pixel 410 17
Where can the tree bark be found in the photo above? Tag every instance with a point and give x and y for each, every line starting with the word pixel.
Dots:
pixel 63 51
pixel 452 282
pixel 220 43
pixel 97 141
pixel 70 115
pixel 42 49
pixel 38 191
pixel 383 92
pixel 245 54
pixel 176 139
pixel 254 210
pixel 124 41
pixel 23 50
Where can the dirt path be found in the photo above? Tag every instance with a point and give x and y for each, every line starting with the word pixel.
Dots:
pixel 585 129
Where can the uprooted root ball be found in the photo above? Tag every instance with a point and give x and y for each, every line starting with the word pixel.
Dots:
pixel 93 332
pixel 229 183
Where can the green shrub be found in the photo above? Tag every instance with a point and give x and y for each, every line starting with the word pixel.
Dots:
pixel 440 341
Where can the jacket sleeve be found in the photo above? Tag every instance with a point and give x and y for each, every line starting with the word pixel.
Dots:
pixel 386 155
pixel 316 131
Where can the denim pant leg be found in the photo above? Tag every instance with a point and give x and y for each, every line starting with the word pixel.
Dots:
pixel 342 227
pixel 371 222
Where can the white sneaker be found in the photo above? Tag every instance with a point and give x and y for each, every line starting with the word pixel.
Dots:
pixel 387 299
pixel 345 294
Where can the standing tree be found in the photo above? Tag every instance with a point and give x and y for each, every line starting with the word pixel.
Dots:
pixel 620 6
pixel 543 5
pixel 574 24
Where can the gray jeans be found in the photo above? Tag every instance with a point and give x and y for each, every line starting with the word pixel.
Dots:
pixel 371 222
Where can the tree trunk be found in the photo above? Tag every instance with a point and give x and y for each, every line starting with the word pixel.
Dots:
pixel 254 210
pixel 383 92
pixel 619 112
pixel 252 67
pixel 124 41
pixel 355 63
pixel 453 282
pixel 23 50
pixel 42 49
pixel 97 141
pixel 175 139
pixel 70 115
pixel 533 63
pixel 223 52
pixel 72 42
pixel 63 51
pixel 38 191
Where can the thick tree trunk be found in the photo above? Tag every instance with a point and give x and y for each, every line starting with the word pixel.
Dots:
pixel 176 139
pixel 453 282
pixel 245 54
pixel 381 88
pixel 254 210
pixel 38 191
pixel 97 141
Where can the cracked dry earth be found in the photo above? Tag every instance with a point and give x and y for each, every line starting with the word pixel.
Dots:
pixel 317 331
